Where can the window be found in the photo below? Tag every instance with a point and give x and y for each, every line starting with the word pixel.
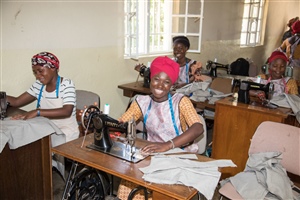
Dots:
pixel 151 25
pixel 252 24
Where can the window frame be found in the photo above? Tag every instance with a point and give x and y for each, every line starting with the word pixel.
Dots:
pixel 137 42
pixel 253 37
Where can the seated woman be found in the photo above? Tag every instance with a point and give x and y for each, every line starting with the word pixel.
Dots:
pixel 171 120
pixel 190 70
pixel 277 66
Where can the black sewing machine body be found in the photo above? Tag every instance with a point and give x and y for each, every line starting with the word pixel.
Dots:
pixel 246 86
pixel 213 66
pixel 101 124
pixel 145 73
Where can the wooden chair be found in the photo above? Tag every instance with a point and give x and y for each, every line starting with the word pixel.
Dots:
pixel 271 137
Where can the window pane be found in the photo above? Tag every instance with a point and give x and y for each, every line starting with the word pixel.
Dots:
pixel 245 25
pixel 254 11
pixel 193 25
pixel 194 41
pixel 253 25
pixel 243 38
pixel 194 7
pixel 246 11
pixel 179 7
pixel 178 25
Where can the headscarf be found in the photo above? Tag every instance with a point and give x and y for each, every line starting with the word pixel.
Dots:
pixel 183 40
pixel 292 21
pixel 277 54
pixel 45 59
pixel 296 27
pixel 167 65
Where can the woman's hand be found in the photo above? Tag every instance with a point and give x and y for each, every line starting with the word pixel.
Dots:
pixel 28 115
pixel 156 147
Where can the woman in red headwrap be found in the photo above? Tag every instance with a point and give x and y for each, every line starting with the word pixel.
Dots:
pixel 277 66
pixel 55 96
pixel 170 120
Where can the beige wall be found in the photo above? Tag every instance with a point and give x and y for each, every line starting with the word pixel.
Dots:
pixel 87 37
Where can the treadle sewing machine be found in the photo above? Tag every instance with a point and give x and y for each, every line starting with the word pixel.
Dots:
pixel 101 124
pixel 213 66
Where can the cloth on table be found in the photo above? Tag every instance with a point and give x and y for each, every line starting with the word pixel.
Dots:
pixel 203 176
pixel 18 133
pixel 263 177
pixel 200 92
pixel 288 101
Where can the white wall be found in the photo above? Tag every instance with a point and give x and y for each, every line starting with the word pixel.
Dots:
pixel 87 37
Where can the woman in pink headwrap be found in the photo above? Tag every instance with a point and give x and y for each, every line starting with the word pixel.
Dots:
pixel 170 120
pixel 55 95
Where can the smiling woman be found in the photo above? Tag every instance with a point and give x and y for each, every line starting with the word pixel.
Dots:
pixel 170 120
pixel 55 96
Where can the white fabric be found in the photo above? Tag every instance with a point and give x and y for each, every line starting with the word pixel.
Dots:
pixel 264 174
pixel 203 176
pixel 18 133
pixel 288 101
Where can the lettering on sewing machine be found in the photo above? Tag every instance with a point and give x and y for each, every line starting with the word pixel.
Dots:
pixel 3 105
pixel 101 124
pixel 213 66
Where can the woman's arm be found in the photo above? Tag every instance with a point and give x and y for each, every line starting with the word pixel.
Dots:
pixel 21 100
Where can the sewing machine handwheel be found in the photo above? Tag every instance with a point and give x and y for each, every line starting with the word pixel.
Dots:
pixel 85 117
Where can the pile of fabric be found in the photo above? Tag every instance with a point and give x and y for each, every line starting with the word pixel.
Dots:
pixel 200 92
pixel 263 177
pixel 203 176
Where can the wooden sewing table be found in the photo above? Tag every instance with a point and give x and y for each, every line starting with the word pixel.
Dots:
pixel 123 169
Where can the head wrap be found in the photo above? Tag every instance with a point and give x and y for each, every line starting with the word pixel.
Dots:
pixel 292 21
pixel 183 40
pixel 45 59
pixel 277 54
pixel 296 27
pixel 167 65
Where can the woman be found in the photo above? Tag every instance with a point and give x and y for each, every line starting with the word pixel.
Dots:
pixel 277 66
pixel 190 70
pixel 55 95
pixel 171 120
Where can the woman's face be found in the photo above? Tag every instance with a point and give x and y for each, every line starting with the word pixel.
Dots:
pixel 277 68
pixel 43 74
pixel 160 86
pixel 179 50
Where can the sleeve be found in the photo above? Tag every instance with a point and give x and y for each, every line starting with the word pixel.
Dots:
pixel 292 86
pixel 188 112
pixel 34 90
pixel 133 110
pixel 68 92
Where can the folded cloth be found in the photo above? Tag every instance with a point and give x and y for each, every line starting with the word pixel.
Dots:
pixel 263 175
pixel 18 133
pixel 203 176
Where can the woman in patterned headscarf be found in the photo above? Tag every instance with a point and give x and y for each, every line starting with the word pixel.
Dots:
pixel 55 96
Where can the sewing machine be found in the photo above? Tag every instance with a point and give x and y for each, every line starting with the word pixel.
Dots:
pixel 246 86
pixel 145 73
pixel 3 105
pixel 213 66
pixel 101 124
